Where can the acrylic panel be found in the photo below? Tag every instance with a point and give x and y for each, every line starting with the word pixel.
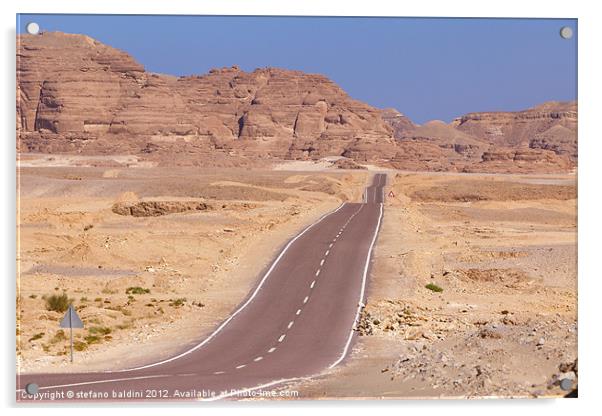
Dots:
pixel 295 208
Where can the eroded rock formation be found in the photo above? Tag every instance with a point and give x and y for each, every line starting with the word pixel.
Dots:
pixel 77 95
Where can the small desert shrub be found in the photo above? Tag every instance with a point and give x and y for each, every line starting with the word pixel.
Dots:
pixel 58 337
pixel 36 336
pixel 178 302
pixel 92 339
pixel 80 346
pixel 58 303
pixel 99 330
pixel 33 296
pixel 136 290
pixel 434 287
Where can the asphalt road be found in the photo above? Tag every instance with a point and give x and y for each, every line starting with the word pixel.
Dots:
pixel 295 323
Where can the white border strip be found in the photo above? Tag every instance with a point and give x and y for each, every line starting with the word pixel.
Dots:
pixel 244 305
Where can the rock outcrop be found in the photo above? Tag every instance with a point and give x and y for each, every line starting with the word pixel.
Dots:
pixel 522 128
pixel 398 122
pixel 76 94
pixel 157 208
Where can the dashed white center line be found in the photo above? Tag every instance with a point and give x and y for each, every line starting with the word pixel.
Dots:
pixel 241 366
pixel 281 337
pixel 258 359
pixel 312 284
pixel 219 372
pixel 290 324
pixel 306 299
pixel 322 262
pixel 272 349
pixel 330 246
pixel 318 271
pixel 298 311
pixel 327 253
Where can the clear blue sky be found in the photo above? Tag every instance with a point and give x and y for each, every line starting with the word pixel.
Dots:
pixel 426 68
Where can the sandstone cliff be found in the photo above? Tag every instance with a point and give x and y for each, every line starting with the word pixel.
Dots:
pixel 77 95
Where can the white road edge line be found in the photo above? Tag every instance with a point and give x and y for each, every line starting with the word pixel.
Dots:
pixel 244 305
pixel 363 289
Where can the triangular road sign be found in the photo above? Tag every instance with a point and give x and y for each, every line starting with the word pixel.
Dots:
pixel 71 319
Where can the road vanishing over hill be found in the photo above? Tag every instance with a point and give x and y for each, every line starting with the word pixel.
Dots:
pixel 296 322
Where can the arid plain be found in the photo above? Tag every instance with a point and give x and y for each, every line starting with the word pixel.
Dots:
pixel 153 259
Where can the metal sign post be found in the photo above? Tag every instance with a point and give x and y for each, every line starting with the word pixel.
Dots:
pixel 71 320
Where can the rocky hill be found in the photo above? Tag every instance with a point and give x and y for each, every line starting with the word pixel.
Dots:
pixel 549 126
pixel 542 139
pixel 77 95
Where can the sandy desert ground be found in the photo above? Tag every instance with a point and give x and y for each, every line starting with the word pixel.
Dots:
pixel 503 249
pixel 153 258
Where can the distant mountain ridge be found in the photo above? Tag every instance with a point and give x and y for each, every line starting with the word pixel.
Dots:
pixel 77 95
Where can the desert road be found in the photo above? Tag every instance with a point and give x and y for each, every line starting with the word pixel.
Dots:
pixel 296 322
